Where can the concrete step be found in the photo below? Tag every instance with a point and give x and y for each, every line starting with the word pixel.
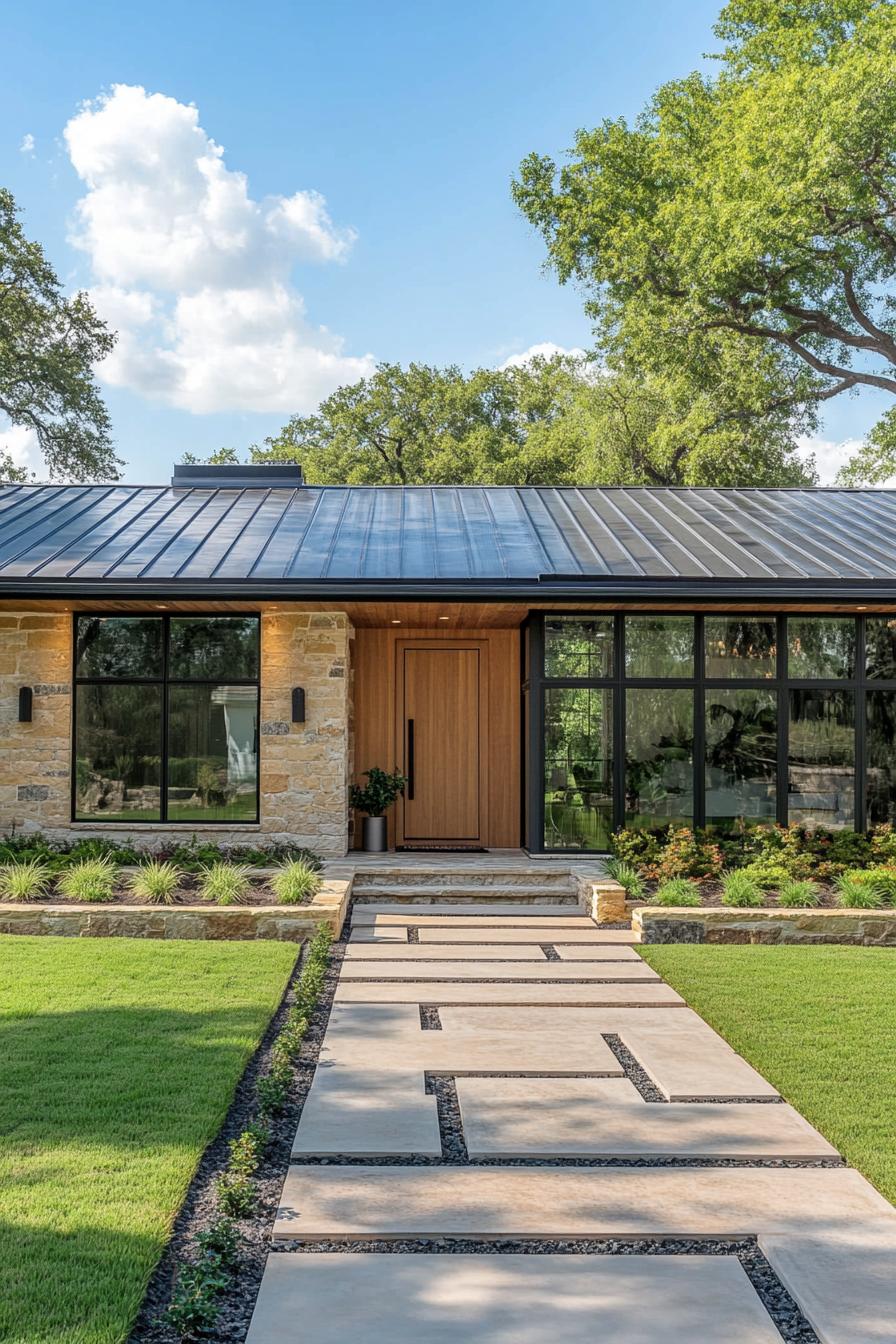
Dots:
pixel 450 891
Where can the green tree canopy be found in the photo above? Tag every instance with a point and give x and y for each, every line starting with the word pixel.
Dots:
pixel 48 347
pixel 740 238
pixel 550 422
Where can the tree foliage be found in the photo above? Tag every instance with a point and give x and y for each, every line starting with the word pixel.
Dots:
pixel 48 347
pixel 740 237
pixel 554 421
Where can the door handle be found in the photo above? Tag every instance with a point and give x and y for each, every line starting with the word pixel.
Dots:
pixel 409 794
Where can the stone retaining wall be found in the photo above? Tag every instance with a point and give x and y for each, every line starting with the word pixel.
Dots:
pixel 684 924
pixel 277 923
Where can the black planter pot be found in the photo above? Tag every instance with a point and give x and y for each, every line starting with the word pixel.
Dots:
pixel 373 835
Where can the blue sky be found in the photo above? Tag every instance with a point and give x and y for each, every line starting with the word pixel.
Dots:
pixel 408 120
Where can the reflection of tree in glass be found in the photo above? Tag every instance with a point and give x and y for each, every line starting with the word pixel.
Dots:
pixel 821 646
pixel 659 646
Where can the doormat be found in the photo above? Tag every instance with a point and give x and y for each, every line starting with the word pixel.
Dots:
pixel 440 849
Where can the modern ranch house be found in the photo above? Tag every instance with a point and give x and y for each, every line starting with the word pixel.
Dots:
pixel 224 656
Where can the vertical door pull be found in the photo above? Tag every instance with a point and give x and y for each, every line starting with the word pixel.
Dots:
pixel 410 784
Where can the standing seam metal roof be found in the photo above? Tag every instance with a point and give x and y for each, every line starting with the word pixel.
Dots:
pixel 155 535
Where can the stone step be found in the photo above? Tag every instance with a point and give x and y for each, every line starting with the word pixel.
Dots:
pixel 453 874
pixel 462 893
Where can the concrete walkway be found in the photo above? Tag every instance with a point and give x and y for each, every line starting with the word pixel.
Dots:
pixel 518 1134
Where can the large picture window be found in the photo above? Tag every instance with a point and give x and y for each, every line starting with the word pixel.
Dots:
pixel 715 719
pixel 166 719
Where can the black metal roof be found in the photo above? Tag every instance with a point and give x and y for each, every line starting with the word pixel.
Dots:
pixel 490 541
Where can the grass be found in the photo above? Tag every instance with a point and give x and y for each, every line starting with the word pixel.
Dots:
pixel 118 1061
pixel 818 1022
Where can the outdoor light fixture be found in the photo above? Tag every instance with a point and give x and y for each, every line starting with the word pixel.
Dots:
pixel 26 698
pixel 298 704
pixel 396 622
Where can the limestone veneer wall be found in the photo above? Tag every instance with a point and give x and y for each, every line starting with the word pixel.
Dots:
pixel 305 768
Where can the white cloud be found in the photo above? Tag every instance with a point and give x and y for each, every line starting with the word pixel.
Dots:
pixel 829 455
pixel 544 350
pixel 21 444
pixel 195 274
pixel 27 145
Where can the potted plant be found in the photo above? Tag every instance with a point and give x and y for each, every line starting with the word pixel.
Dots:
pixel 374 800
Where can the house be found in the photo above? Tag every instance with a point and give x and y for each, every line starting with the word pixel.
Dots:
pixel 223 656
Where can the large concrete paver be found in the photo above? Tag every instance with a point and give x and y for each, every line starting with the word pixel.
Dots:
pixel 398 1202
pixel 607 1117
pixel 649 994
pixel 844 1281
pixel 474 921
pixel 508 1299
pixel 682 1054
pixel 553 972
pixel 361 950
pixel 512 935
pixel 367 1113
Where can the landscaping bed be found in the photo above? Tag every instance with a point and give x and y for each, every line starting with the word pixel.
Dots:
pixel 118 1063
pixel 818 1023
pixel 761 867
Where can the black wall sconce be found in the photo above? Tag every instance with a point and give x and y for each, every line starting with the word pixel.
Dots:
pixel 26 704
pixel 298 704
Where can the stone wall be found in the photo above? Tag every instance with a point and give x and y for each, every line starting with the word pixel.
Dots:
pixel 305 768
pixel 35 775
pixel 670 924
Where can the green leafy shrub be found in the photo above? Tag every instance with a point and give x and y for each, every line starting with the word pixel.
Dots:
pixel 860 890
pixel 767 874
pixel 24 880
pixel 738 888
pixel 194 1303
pixel 98 848
pixel 295 883
pixel 638 848
pixel 89 880
pixel 627 876
pixel 687 855
pixel 222 1239
pixel 677 891
pixel 884 875
pixel 883 843
pixel 236 1194
pixel 224 883
pixel 797 893
pixel 156 882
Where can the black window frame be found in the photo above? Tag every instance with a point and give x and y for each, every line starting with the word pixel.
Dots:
pixel 535 683
pixel 166 683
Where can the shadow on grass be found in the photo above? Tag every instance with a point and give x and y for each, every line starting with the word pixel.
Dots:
pixel 104 1115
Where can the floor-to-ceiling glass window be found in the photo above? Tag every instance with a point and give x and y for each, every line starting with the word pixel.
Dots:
pixel 714 720
pixel 166 718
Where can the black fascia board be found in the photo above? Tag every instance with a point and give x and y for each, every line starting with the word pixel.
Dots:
pixel 539 593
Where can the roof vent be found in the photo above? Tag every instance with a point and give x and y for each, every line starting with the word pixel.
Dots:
pixel 265 476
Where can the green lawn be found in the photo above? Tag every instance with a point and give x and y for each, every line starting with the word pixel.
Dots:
pixel 118 1060
pixel 818 1022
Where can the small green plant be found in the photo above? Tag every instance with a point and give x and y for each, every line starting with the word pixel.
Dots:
pixel 766 873
pixel 797 893
pixel 236 1194
pixel 738 888
pixel 686 854
pixel 677 891
pixel 89 880
pixel 379 793
pixel 247 1150
pixel 639 848
pixel 295 883
pixel 627 876
pixel 194 1303
pixel 156 882
pixel 222 1240
pixel 860 890
pixel 26 880
pixel 883 843
pixel 272 1089
pixel 224 883
pixel 882 875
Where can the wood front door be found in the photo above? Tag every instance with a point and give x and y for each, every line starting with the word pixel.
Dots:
pixel 443 728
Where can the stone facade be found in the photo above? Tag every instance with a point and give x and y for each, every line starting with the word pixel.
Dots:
pixel 305 768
